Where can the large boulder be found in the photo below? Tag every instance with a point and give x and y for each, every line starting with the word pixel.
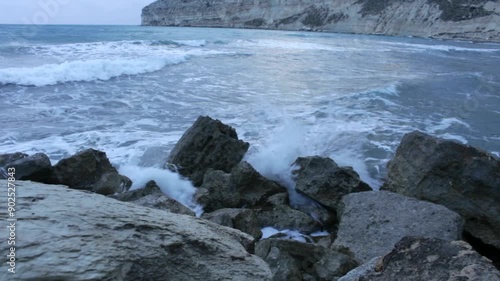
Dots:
pixel 67 234
pixel 11 157
pixel 90 170
pixel 296 261
pixel 241 219
pixel 36 167
pixel 431 259
pixel 324 181
pixel 460 177
pixel 208 143
pixel 243 187
pixel 372 222
pixel 151 196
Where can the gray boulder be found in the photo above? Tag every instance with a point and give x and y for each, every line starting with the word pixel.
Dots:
pixel 90 170
pixel 460 177
pixel 431 259
pixel 371 223
pixel 68 234
pixel 244 187
pixel 371 266
pixel 208 143
pixel 324 181
pixel 292 260
pixel 241 219
pixel 11 157
pixel 36 167
pixel 151 196
pixel 277 213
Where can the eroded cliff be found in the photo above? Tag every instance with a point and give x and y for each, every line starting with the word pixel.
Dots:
pixel 460 19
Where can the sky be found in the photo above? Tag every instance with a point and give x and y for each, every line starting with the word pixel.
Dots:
pixel 72 11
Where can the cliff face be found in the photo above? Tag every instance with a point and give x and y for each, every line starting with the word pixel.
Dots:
pixel 462 19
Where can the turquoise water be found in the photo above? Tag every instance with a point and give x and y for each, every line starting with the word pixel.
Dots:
pixel 132 91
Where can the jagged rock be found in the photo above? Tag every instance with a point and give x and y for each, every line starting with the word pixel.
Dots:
pixel 36 167
pixel 277 213
pixel 324 181
pixel 470 20
pixel 89 170
pixel 293 260
pixel 460 177
pixel 241 219
pixel 151 196
pixel 371 223
pixel 362 270
pixel 244 187
pixel 208 143
pixel 431 259
pixel 68 234
pixel 11 157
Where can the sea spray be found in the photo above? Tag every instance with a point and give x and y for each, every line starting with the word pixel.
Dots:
pixel 170 183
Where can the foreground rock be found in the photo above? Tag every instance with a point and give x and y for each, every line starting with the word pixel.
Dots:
pixel 73 235
pixel 295 261
pixel 454 175
pixel 430 259
pixel 36 167
pixel 241 219
pixel 471 20
pixel 90 170
pixel 151 196
pixel 244 187
pixel 324 181
pixel 371 223
pixel 208 143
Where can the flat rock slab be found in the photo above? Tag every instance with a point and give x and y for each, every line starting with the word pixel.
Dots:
pixel 67 234
pixel 430 259
pixel 371 223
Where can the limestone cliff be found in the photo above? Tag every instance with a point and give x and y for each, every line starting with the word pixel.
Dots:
pixel 461 19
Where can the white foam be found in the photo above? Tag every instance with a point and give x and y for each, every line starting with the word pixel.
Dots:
pixel 446 48
pixel 170 183
pixel 444 124
pixel 86 70
pixel 289 234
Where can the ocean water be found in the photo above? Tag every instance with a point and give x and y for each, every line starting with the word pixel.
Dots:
pixel 132 91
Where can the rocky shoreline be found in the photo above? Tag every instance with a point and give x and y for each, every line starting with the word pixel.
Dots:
pixel 477 20
pixel 437 217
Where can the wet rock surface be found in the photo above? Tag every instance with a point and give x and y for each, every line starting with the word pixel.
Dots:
pixel 36 167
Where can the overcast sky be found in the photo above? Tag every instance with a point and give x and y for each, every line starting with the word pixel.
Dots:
pixel 72 11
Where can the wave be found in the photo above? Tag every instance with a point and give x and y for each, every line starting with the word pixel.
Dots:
pixel 445 48
pixel 84 70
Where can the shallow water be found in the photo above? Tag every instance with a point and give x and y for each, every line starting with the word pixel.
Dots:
pixel 133 91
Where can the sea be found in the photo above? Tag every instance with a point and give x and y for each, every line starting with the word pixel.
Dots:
pixel 132 91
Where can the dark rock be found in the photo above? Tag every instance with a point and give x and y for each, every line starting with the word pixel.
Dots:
pixel 11 157
pixel 151 188
pixel 415 259
pixel 278 214
pixel 243 188
pixel 90 170
pixel 36 167
pixel 371 223
pixel 460 177
pixel 208 143
pixel 241 219
pixel 293 260
pixel 362 270
pixel 324 181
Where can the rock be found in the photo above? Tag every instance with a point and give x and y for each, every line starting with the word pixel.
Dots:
pixel 371 223
pixel 36 167
pixel 460 177
pixel 279 215
pixel 90 170
pixel 207 144
pixel 11 157
pixel 415 259
pixel 151 196
pixel 241 219
pixel 244 187
pixel 324 181
pixel 68 234
pixel 362 270
pixel 293 260
pixel 470 20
